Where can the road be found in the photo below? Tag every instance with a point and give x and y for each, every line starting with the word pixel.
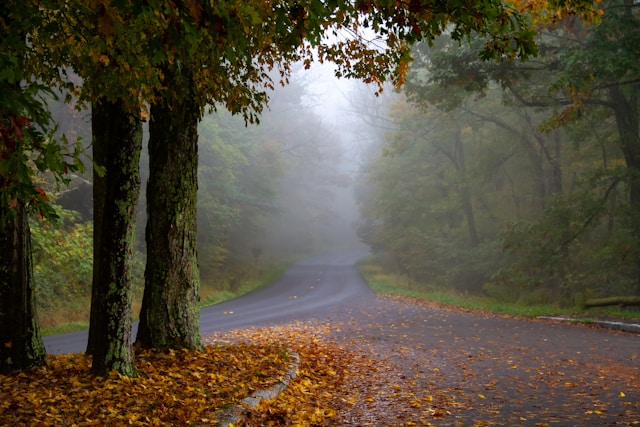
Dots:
pixel 447 367
pixel 314 288
pixel 463 368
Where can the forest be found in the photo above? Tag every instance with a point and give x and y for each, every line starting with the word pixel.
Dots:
pixel 498 154
pixel 515 180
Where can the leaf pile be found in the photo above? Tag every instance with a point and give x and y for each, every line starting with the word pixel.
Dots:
pixel 172 388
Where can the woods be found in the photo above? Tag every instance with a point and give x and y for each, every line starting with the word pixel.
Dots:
pixel 523 176
pixel 170 62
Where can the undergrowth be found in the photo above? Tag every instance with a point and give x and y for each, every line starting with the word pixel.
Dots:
pixel 73 315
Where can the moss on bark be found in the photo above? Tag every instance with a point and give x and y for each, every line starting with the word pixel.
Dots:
pixel 117 146
pixel 170 315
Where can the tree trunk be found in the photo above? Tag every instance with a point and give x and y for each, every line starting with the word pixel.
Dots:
pixel 21 345
pixel 465 194
pixel 117 144
pixel 602 302
pixel 170 314
pixel 628 121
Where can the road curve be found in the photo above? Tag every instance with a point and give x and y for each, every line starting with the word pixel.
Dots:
pixel 435 366
pixel 314 288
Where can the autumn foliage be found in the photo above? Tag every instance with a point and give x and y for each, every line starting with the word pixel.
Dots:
pixel 172 388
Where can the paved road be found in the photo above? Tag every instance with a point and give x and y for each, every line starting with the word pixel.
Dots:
pixel 314 288
pixel 469 369
pixel 465 369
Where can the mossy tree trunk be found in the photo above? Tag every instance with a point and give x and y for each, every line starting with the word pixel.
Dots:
pixel 21 345
pixel 117 136
pixel 170 314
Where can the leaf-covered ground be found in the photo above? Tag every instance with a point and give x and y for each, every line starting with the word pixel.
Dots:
pixel 172 388
pixel 397 363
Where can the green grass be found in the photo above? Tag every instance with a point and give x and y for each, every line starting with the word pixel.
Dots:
pixel 64 328
pixel 389 284
pixel 211 296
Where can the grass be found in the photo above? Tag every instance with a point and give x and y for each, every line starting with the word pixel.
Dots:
pixel 211 294
pixel 63 328
pixel 67 317
pixel 385 283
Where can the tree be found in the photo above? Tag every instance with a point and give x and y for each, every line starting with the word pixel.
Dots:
pixel 592 73
pixel 115 198
pixel 26 149
pixel 108 56
pixel 169 316
pixel 602 70
pixel 586 67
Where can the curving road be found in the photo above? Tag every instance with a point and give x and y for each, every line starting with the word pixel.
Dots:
pixel 314 288
pixel 458 368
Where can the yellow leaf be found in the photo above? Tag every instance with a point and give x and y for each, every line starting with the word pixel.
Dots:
pixel 622 394
pixel 481 396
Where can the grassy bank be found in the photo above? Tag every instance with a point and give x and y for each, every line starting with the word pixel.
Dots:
pixel 70 316
pixel 212 294
pixel 385 283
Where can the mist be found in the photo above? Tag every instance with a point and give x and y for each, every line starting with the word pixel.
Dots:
pixel 301 201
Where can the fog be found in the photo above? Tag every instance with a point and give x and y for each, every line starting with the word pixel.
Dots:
pixel 285 186
pixel 321 141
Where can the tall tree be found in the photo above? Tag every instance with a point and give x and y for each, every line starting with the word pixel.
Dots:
pixel 109 58
pixel 117 144
pixel 26 149
pixel 20 343
pixel 169 316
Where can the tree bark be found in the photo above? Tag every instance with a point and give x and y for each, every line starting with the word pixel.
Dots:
pixel 21 345
pixel 117 144
pixel 170 314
